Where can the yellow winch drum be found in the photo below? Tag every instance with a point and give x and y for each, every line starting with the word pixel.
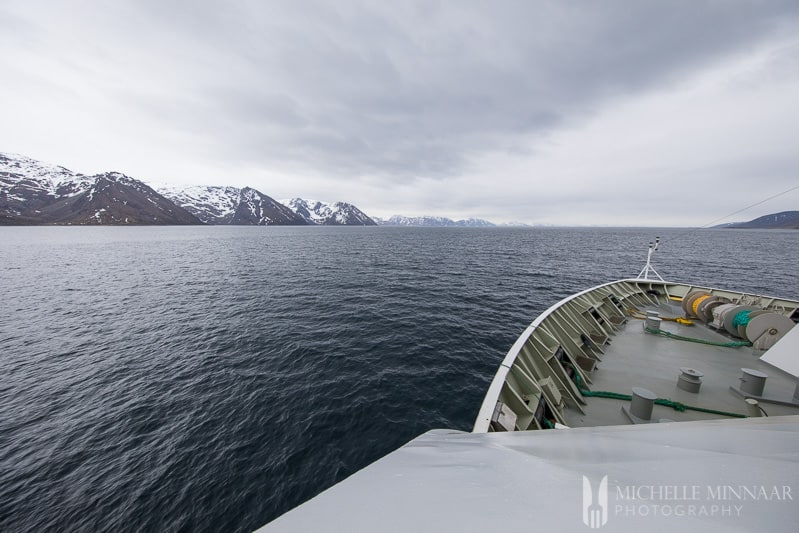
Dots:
pixel 688 302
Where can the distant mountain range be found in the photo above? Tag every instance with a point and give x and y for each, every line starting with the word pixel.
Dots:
pixel 429 221
pixel 32 192
pixel 783 220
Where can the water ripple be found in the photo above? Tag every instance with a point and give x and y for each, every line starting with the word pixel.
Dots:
pixel 207 379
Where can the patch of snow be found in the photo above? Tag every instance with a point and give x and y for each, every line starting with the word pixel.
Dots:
pixel 314 211
pixel 46 176
pixel 220 201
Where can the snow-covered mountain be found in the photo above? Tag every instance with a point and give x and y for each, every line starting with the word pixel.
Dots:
pixel 258 208
pixel 398 220
pixel 231 205
pixel 212 205
pixel 32 192
pixel 327 214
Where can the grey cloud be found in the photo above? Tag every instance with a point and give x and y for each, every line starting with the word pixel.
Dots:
pixel 374 89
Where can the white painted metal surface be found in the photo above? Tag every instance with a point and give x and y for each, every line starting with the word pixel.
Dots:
pixel 785 354
pixel 719 475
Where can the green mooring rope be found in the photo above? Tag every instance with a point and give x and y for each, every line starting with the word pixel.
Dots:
pixel 731 344
pixel 741 319
pixel 677 406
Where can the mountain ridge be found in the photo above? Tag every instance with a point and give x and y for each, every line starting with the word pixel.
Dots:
pixel 434 221
pixel 781 220
pixel 34 193
pixel 327 214
pixel 225 205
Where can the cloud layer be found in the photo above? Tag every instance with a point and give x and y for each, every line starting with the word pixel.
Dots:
pixel 546 112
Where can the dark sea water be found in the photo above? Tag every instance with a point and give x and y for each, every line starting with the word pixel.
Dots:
pixel 212 378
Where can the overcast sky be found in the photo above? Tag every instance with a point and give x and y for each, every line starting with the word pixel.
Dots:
pixel 612 113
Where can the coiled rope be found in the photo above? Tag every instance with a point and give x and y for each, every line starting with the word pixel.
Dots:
pixel 695 306
pixel 741 318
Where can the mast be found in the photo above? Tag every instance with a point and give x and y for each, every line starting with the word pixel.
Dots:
pixel 648 268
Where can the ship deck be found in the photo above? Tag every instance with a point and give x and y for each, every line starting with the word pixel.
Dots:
pixel 635 358
pixel 577 364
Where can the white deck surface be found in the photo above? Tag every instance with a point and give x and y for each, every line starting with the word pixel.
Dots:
pixel 533 481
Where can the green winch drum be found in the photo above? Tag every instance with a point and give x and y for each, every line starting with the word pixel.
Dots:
pixel 729 318
pixel 743 318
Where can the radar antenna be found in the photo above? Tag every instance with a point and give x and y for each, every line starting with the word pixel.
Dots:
pixel 648 268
